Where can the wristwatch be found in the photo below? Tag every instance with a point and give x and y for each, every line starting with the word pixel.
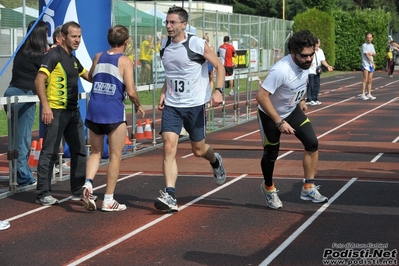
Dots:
pixel 221 90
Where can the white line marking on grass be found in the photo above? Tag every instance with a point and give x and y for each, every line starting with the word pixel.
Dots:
pixel 160 219
pixel 292 237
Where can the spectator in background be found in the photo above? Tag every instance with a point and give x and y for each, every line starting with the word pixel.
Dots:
pixel 57 88
pixel 313 87
pixel 226 53
pixel 210 66
pixel 368 67
pixel 113 68
pixel 392 51
pixel 146 54
pixel 26 65
pixel 57 40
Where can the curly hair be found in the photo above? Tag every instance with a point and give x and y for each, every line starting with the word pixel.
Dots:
pixel 301 39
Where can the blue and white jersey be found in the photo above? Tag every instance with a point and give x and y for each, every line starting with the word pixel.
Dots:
pixel 186 72
pixel 286 83
pixel 106 105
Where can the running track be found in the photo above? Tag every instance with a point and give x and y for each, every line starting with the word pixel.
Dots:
pixel 230 224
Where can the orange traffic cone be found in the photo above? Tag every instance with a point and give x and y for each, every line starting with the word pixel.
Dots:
pixel 147 130
pixel 37 151
pixel 139 130
pixel 31 161
pixel 128 141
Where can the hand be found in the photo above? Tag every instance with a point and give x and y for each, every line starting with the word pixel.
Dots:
pixel 216 99
pixel 161 103
pixel 47 115
pixel 303 105
pixel 286 128
pixel 141 110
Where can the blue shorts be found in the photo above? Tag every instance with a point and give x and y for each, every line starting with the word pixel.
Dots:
pixel 369 69
pixel 192 118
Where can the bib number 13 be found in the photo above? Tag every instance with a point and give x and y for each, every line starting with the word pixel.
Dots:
pixel 179 86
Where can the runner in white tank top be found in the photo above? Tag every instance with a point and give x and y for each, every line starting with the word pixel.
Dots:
pixel 182 101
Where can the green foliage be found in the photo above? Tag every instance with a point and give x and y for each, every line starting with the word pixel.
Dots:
pixel 322 26
pixel 350 34
pixel 325 5
pixel 17 3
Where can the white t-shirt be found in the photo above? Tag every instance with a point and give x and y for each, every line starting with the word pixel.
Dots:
pixel 320 57
pixel 187 80
pixel 367 47
pixel 286 83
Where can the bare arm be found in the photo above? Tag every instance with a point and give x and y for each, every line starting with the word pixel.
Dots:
pixel 40 84
pixel 126 70
pixel 162 97
pixel 330 68
pixel 217 97
pixel 263 98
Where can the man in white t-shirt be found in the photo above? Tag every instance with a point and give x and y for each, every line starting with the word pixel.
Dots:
pixel 183 97
pixel 314 77
pixel 281 104
pixel 368 67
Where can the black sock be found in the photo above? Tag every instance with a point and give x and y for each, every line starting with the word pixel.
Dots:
pixel 216 164
pixel 309 181
pixel 171 191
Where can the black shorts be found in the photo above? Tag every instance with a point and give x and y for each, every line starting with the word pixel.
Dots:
pixel 229 70
pixel 298 120
pixel 102 129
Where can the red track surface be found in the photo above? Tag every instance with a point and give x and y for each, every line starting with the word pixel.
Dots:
pixel 231 224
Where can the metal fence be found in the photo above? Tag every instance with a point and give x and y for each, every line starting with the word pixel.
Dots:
pixel 260 40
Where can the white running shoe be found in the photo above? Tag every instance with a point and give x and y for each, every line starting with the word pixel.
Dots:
pixel 313 194
pixel 219 173
pixel 4 225
pixel 363 97
pixel 166 202
pixel 271 197
pixel 113 206
pixel 371 97
pixel 87 197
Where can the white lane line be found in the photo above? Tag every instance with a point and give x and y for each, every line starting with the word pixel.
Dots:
pixel 380 154
pixel 357 117
pixel 306 224
pixel 156 221
pixel 63 200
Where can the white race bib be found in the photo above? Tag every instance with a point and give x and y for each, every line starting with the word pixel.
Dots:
pixel 179 88
pixel 296 97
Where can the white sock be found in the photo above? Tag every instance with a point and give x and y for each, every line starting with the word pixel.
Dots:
pixel 108 197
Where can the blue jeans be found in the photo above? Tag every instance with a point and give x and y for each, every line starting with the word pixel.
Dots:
pixel 67 123
pixel 26 117
pixel 313 87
